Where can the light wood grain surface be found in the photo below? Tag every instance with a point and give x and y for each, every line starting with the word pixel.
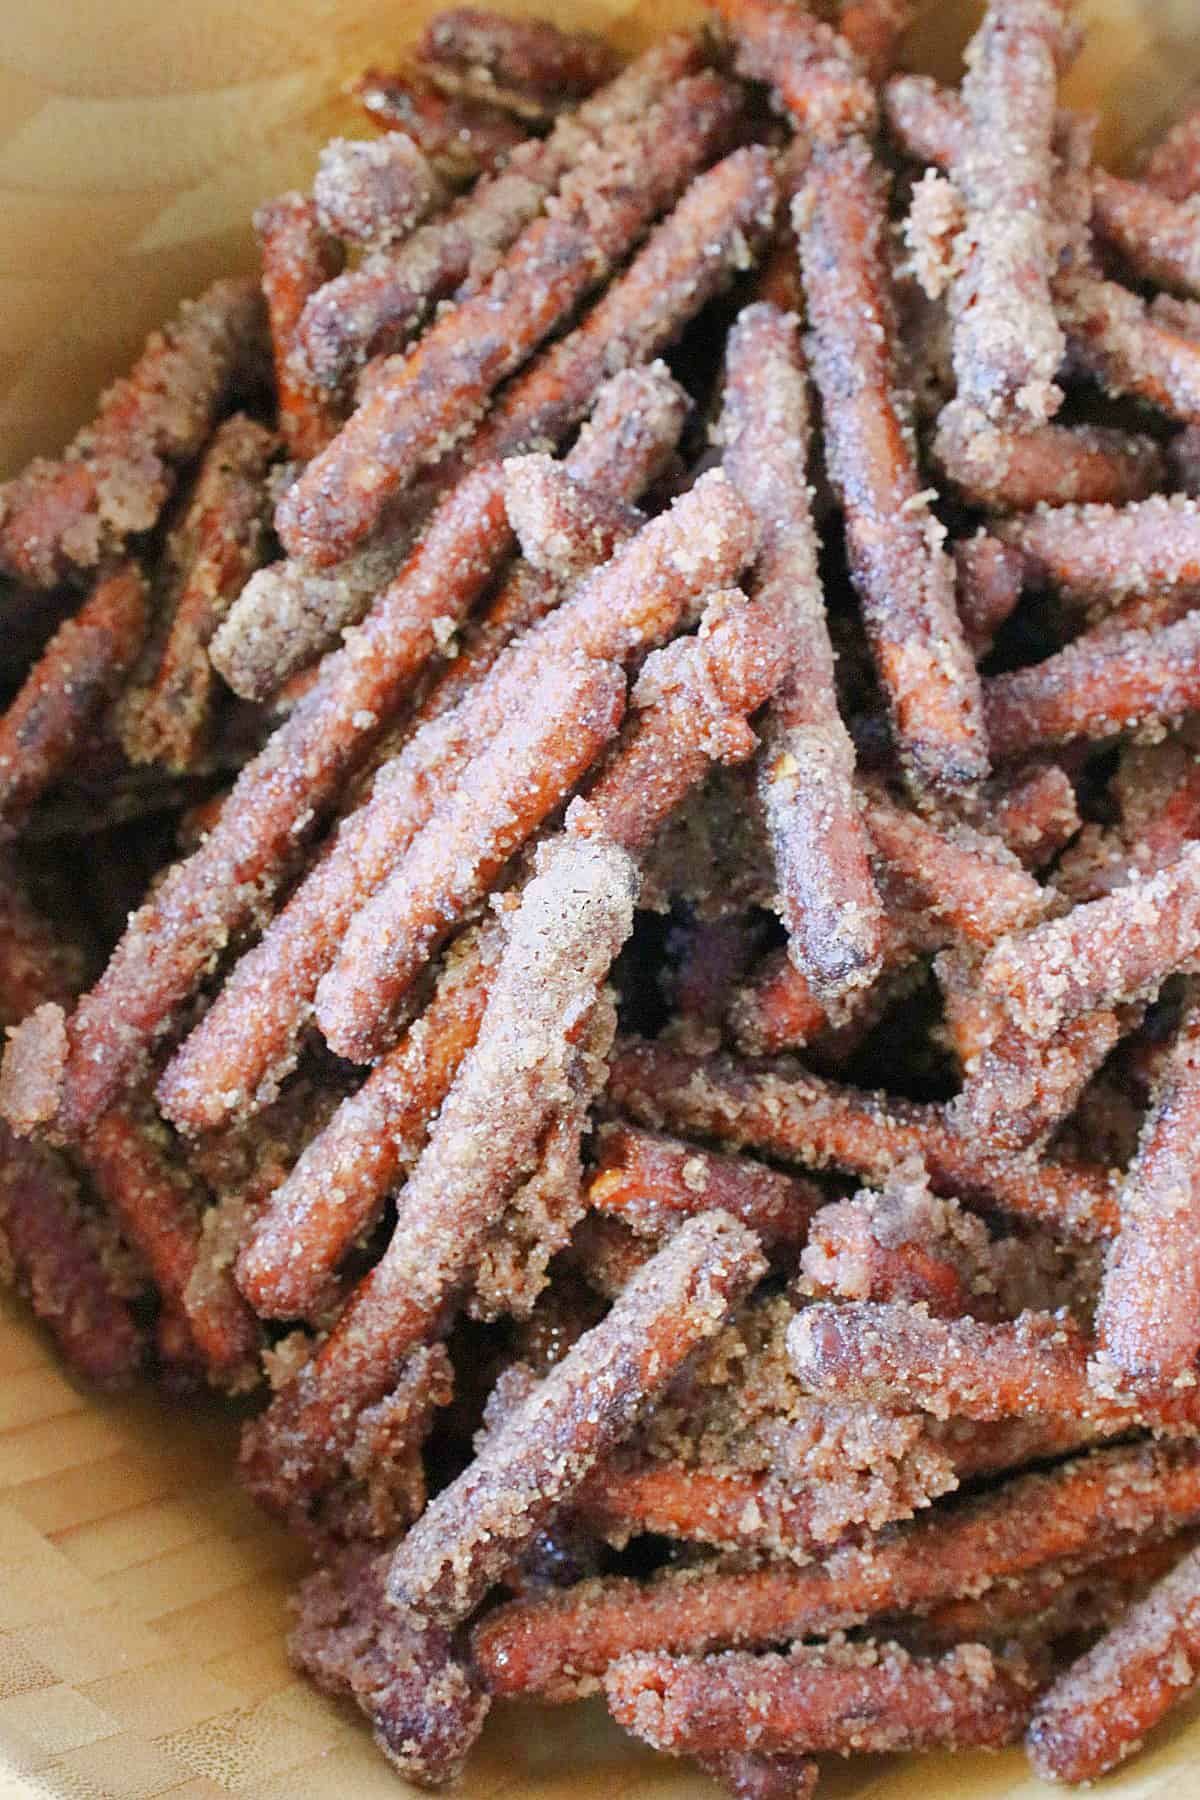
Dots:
pixel 142 1599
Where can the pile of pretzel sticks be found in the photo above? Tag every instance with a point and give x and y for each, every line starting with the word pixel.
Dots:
pixel 648 678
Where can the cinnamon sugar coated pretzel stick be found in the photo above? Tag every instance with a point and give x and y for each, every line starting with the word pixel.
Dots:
pixel 573 757
pixel 46 725
pixel 298 258
pixel 458 856
pixel 1097 1713
pixel 461 137
pixel 529 54
pixel 871 1696
pixel 827 894
pixel 219 543
pixel 1146 1319
pixel 901 571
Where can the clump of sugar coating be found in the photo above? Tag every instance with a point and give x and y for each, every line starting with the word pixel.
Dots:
pixel 373 191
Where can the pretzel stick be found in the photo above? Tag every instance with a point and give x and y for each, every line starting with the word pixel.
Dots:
pixel 157 1207
pixel 287 615
pixel 298 258
pixel 432 396
pixel 1007 343
pixel 1020 1089
pixel 971 882
pixel 1173 166
pixel 1102 554
pixel 555 1647
pixel 1052 465
pixel 942 885
pixel 373 191
pixel 813 71
pixel 827 897
pixel 587 1404
pixel 1155 236
pixel 790 1113
pixel 1036 814
pixel 461 137
pixel 532 55
pixel 1048 1603
pixel 572 919
pixel 1099 1710
pixel 505 794
pixel 652 1182
pixel 338 1186
pixel 374 309
pixel 164 716
pixel 538 1221
pixel 1130 348
pixel 900 1355
pixel 868 1696
pixel 173 940
pixel 735 1511
pixel 57 1262
pixel 79 670
pixel 903 577
pixel 425 1705
pixel 1106 681
pixel 641 597
pixel 1117 948
pixel 118 472
pixel 1148 1320
pixel 691 703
